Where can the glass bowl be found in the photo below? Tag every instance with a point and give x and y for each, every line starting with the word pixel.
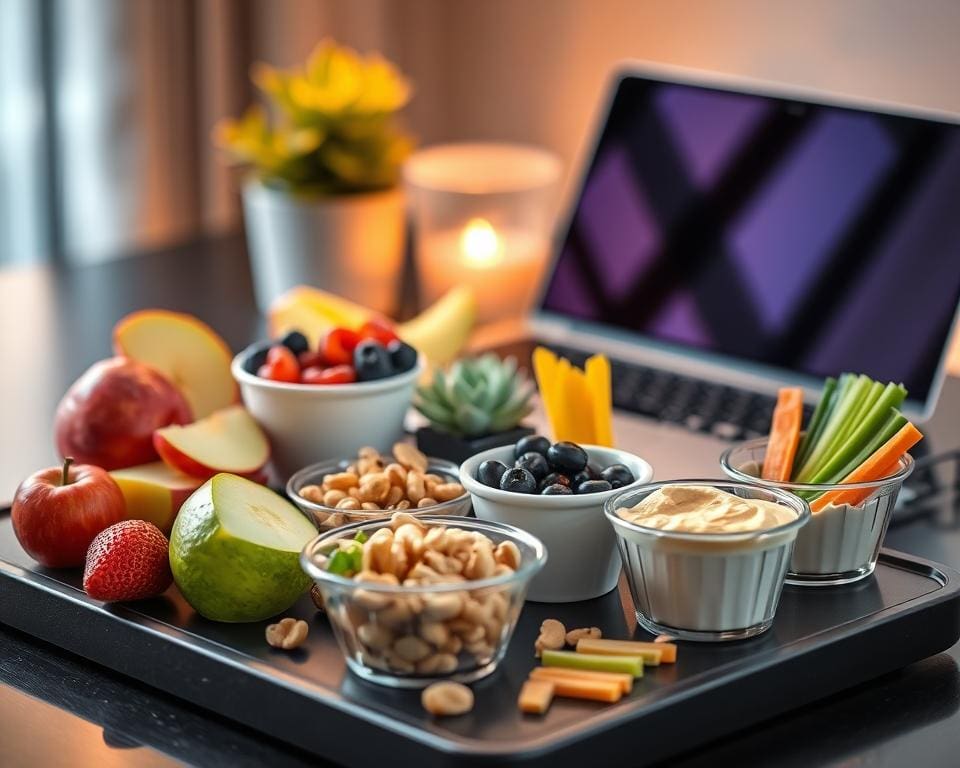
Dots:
pixel 841 543
pixel 327 518
pixel 706 586
pixel 459 630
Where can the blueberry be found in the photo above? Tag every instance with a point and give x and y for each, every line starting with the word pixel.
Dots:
pixel 556 490
pixel 296 342
pixel 568 458
pixel 617 475
pixel 518 480
pixel 535 464
pixel 257 356
pixel 554 478
pixel 531 443
pixel 403 357
pixel 593 486
pixel 490 472
pixel 371 361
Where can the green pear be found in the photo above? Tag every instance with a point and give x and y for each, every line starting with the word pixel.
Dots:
pixel 235 550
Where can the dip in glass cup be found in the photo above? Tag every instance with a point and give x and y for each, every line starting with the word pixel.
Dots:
pixel 840 544
pixel 706 586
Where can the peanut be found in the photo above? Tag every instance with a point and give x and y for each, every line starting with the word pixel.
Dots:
pixel 348 503
pixel 445 699
pixel 447 491
pixel 394 495
pixel 411 648
pixel 332 497
pixel 415 489
pixel 442 606
pixel 370 506
pixel 375 636
pixel 312 493
pixel 426 501
pixel 402 504
pixel 374 487
pixel 437 664
pixel 507 553
pixel 288 633
pixel 410 457
pixel 574 635
pixel 481 564
pixel 397 475
pixel 435 633
pixel 553 635
pixel 341 481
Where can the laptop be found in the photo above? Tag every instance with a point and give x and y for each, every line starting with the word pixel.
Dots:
pixel 730 237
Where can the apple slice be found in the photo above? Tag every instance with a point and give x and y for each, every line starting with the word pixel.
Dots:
pixel 186 350
pixel 154 492
pixel 226 441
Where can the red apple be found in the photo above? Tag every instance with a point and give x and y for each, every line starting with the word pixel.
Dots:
pixel 109 415
pixel 58 511
pixel 228 440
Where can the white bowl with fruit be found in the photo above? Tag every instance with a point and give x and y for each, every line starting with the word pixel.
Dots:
pixel 353 390
pixel 557 493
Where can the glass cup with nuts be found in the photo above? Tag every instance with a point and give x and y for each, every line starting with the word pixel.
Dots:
pixel 335 493
pixel 417 599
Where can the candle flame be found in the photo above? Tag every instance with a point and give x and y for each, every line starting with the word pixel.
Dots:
pixel 480 244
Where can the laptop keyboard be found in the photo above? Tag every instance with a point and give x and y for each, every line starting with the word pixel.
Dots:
pixel 701 406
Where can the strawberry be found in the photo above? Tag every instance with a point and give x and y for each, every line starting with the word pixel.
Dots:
pixel 127 561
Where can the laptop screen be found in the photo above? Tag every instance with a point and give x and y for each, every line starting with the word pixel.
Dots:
pixel 812 238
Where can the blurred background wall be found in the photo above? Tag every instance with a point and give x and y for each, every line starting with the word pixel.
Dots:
pixel 106 106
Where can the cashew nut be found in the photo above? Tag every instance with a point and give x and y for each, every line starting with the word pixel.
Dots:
pixel 553 635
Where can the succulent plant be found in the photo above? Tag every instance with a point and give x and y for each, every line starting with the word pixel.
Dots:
pixel 476 396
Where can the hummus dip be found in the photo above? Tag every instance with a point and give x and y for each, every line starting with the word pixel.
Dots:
pixel 703 509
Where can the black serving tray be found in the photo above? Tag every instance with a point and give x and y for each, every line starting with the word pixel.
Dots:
pixel 823 640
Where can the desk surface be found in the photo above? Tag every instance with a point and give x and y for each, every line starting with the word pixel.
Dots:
pixel 56 710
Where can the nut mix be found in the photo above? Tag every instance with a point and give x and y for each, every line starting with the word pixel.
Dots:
pixel 423 633
pixel 374 482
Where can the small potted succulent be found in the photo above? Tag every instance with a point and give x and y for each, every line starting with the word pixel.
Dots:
pixel 477 404
pixel 322 203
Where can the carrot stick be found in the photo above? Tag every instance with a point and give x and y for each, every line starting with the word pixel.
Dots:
pixel 784 435
pixel 881 464
pixel 587 689
pixel 562 673
pixel 535 696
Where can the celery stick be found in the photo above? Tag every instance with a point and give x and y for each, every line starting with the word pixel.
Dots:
pixel 820 415
pixel 866 430
pixel 869 400
pixel 856 388
pixel 631 665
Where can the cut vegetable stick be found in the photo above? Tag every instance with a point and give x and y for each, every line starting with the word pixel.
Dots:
pixel 545 369
pixel 535 696
pixel 840 403
pixel 597 371
pixel 651 653
pixel 820 415
pixel 882 463
pixel 631 665
pixel 894 424
pixel 553 673
pixel 592 690
pixel 580 408
pixel 784 435
pixel 562 417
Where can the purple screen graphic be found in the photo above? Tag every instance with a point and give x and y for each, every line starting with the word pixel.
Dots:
pixel 811 238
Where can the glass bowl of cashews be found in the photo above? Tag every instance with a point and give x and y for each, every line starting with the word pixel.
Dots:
pixel 375 484
pixel 413 600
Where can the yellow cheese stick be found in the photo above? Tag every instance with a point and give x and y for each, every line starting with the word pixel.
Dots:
pixel 546 369
pixel 561 422
pixel 598 381
pixel 580 404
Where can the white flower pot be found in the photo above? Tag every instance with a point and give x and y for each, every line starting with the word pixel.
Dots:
pixel 350 245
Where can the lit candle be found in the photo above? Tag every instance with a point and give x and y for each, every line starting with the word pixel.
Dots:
pixel 503 267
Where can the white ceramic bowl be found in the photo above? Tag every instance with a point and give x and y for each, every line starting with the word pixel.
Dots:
pixel 307 423
pixel 583 563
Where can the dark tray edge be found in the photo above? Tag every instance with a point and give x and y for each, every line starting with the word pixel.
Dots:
pixel 42 592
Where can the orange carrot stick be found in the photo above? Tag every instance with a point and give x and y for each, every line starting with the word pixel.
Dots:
pixel 593 690
pixel 882 463
pixel 784 435
pixel 535 696
pixel 557 673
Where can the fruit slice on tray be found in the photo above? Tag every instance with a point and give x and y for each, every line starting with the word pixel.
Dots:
pixel 154 492
pixel 226 441
pixel 235 550
pixel 184 349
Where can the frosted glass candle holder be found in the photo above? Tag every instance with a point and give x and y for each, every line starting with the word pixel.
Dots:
pixel 483 217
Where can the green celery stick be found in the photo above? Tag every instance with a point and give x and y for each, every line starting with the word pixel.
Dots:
pixel 872 423
pixel 820 415
pixel 869 400
pixel 850 397
pixel 631 665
